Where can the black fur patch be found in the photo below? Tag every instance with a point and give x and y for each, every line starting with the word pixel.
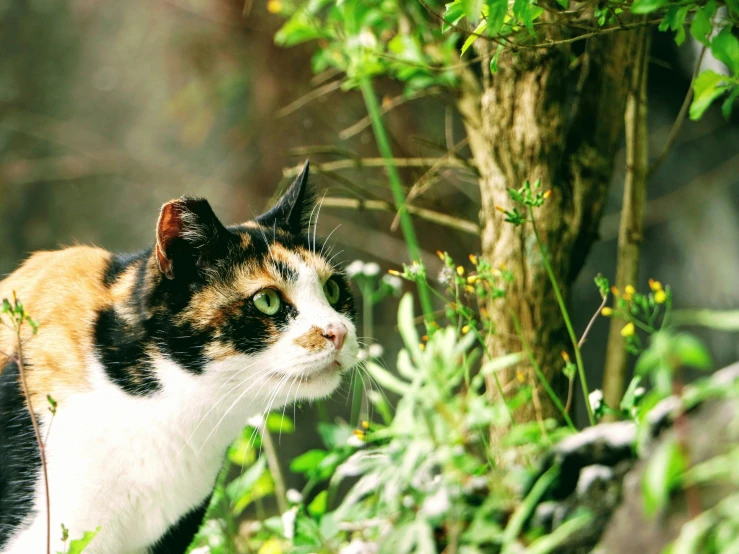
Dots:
pixel 180 535
pixel 122 351
pixel 118 264
pixel 20 464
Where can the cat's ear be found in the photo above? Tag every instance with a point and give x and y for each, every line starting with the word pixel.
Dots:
pixel 189 236
pixel 292 211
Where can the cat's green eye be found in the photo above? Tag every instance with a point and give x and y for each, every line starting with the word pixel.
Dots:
pixel 332 291
pixel 267 301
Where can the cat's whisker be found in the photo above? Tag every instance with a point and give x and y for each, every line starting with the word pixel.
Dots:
pixel 325 241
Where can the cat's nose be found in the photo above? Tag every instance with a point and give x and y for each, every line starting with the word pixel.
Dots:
pixel 336 334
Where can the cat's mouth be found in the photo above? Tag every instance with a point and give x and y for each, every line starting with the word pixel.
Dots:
pixel 330 368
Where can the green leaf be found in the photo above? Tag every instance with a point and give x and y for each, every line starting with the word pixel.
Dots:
pixel 501 362
pixel 494 60
pixel 453 14
pixel 473 9
pixel 386 379
pixel 317 507
pixel 307 461
pixel 661 473
pixel 627 402
pixel 647 6
pixel 706 88
pixel 280 423
pixel 472 38
pixel 691 352
pixel 300 28
pixel 701 26
pixel 728 105
pixel 242 485
pixel 497 10
pixel 407 325
pixel 76 546
pixel 725 47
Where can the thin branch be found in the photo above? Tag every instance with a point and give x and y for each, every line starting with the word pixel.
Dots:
pixel 632 214
pixel 307 98
pixel 439 218
pixel 378 162
pixel 672 137
pixel 387 106
pixel 37 432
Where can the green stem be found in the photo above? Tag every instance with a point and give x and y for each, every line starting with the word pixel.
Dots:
pixel 566 317
pixel 368 332
pixel 396 187
pixel 274 467
pixel 539 373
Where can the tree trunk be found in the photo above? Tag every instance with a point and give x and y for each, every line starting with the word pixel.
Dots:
pixel 524 123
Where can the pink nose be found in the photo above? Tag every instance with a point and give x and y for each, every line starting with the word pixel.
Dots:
pixel 336 334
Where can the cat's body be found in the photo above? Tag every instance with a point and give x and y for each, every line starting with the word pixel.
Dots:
pixel 156 361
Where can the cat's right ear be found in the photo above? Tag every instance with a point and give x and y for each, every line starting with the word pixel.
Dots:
pixel 188 235
pixel 292 211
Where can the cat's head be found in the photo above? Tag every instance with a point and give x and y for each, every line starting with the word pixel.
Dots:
pixel 262 301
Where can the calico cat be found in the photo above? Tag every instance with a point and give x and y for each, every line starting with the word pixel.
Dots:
pixel 156 360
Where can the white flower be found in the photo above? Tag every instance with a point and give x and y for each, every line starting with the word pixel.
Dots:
pixel 293 496
pixel 288 523
pixel 639 391
pixel 393 281
pixel 201 550
pixel 371 269
pixel 596 399
pixel 375 350
pixel 358 546
pixel 354 441
pixel 362 355
pixel 408 502
pixel 255 421
pixel 354 268
pixel 437 504
pixel 367 39
pixel 445 276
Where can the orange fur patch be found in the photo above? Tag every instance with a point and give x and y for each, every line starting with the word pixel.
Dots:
pixel 312 340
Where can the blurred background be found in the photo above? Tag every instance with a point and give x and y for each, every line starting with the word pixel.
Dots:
pixel 109 109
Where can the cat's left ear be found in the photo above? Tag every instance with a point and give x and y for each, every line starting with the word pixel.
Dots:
pixel 292 211
pixel 189 236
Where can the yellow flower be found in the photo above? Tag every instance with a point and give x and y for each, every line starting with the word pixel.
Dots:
pixel 615 291
pixel 425 338
pixel 521 376
pixel 394 272
pixel 628 330
pixel 274 6
pixel 272 546
pixel 422 346
pixel 365 424
pixel 469 288
pixel 547 194
pixel 607 312
pixel 465 329
pixel 655 285
pixel 501 209
pixel 565 356
pixel 472 279
pixel 460 270
pixel 473 259
pixel 660 296
pixel 629 289
pixel 441 255
pixel 359 434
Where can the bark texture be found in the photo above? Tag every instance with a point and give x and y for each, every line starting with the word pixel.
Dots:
pixel 539 119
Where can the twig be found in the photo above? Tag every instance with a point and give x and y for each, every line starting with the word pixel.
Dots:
pixel 274 467
pixel 393 103
pixel 571 385
pixel 378 162
pixel 439 218
pixel 37 432
pixel 307 98
pixel 680 119
pixel 632 214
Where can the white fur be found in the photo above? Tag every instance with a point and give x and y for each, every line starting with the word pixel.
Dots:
pixel 135 465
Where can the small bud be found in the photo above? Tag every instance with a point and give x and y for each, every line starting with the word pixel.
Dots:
pixel 547 194
pixel 660 296
pixel 615 291
pixel 365 424
pixel 472 279
pixel 469 289
pixel 473 259
pixel 607 312
pixel 460 270
pixel 422 347
pixel 394 272
pixel 655 285
pixel 521 377
pixel 441 255
pixel 274 6
pixel 425 338
pixel 565 356
pixel 465 329
pixel 501 209
pixel 629 290
pixel 628 330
